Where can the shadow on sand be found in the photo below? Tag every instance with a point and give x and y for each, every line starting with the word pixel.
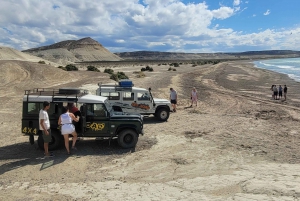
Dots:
pixel 23 154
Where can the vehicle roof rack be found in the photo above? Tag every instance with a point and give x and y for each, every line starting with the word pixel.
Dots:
pixel 67 92
pixel 117 87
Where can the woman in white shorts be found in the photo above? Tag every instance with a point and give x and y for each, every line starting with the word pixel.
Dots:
pixel 65 120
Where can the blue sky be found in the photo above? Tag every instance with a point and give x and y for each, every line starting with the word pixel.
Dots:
pixel 154 25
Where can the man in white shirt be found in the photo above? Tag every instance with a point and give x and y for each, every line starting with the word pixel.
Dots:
pixel 173 98
pixel 45 127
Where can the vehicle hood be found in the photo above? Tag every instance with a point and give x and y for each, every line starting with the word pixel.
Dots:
pixel 121 115
pixel 158 100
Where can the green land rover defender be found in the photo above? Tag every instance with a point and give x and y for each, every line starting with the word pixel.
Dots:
pixel 97 118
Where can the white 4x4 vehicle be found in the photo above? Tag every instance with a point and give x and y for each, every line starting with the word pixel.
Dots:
pixel 131 99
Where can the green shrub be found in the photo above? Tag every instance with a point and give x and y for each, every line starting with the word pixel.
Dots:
pixel 93 68
pixel 109 71
pixel 174 69
pixel 42 62
pixel 194 65
pixel 114 77
pixel 148 68
pixel 71 67
pixel 63 68
pixel 118 76
pixel 170 69
pixel 176 64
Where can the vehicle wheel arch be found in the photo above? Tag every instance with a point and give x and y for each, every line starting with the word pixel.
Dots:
pixel 127 137
pixel 166 114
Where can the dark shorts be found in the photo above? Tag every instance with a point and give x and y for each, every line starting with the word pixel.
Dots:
pixel 275 93
pixel 47 138
pixel 174 101
pixel 280 93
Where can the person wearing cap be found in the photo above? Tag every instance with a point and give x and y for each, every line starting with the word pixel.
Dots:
pixel 173 98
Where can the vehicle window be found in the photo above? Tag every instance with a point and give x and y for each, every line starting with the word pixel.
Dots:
pixel 143 96
pixel 106 94
pixel 89 110
pixel 99 110
pixel 128 96
pixel 111 95
pixel 34 108
pixel 114 96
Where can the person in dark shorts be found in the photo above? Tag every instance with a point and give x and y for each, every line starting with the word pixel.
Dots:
pixel 45 127
pixel 275 91
pixel 173 98
pixel 284 91
pixel 279 92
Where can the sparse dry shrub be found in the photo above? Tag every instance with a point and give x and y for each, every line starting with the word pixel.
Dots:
pixel 42 62
pixel 93 68
pixel 140 75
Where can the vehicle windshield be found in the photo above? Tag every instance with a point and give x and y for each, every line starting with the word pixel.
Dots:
pixel 108 105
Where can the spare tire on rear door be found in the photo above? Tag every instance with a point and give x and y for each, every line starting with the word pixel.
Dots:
pixel 69 91
pixel 55 142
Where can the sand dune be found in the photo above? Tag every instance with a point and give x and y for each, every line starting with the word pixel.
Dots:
pixel 7 53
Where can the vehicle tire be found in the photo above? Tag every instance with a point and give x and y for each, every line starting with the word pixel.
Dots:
pixel 55 142
pixel 127 138
pixel 162 114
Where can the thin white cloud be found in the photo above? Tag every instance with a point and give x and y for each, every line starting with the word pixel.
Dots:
pixel 131 26
pixel 267 12
pixel 236 2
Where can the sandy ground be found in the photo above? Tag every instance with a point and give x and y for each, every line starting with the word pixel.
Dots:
pixel 238 144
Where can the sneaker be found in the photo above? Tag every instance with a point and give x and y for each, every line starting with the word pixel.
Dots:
pixel 49 155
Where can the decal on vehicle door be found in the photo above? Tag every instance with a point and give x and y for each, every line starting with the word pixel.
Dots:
pixel 142 106
pixel 96 126
pixel 29 130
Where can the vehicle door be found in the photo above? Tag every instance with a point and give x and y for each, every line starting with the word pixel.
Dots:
pixel 129 103
pixel 143 102
pixel 96 120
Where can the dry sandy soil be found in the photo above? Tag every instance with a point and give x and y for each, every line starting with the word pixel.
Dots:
pixel 238 144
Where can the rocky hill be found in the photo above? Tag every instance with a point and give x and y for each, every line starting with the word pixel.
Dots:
pixel 153 55
pixel 71 51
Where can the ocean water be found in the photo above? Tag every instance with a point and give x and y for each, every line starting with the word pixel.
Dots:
pixel 288 66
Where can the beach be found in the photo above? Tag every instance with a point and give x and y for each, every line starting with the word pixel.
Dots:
pixel 237 144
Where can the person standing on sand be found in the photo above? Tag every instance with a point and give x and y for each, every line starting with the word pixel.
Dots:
pixel 45 127
pixel 67 127
pixel 279 92
pixel 194 97
pixel 173 98
pixel 275 91
pixel 284 91
pixel 272 91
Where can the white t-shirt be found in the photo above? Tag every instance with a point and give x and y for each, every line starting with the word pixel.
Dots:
pixel 44 115
pixel 173 95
